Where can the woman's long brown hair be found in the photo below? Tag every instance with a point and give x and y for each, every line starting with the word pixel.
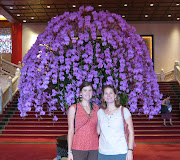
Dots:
pixel 117 100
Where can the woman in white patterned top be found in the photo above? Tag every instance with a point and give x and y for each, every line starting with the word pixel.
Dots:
pixel 112 142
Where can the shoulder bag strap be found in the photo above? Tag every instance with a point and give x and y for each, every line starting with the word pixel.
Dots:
pixel 87 119
pixel 122 113
pixel 75 117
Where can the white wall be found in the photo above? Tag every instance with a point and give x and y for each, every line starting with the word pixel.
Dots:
pixel 166 40
pixel 30 31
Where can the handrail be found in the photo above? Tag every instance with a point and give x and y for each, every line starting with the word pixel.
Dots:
pixel 178 73
pixel 169 72
pixel 168 76
pixel 9 91
pixel 9 68
pixel 12 64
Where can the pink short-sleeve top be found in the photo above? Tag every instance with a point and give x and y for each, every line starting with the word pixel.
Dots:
pixel 86 136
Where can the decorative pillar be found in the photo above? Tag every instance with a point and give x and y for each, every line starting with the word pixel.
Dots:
pixel 19 64
pixel 0 62
pixel 16 43
pixel 162 76
pixel 175 69
pixel 1 107
pixel 10 88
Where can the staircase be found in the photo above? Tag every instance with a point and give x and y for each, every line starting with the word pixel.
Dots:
pixel 13 126
pixel 146 128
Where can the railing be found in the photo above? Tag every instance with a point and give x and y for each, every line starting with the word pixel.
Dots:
pixel 9 68
pixel 177 71
pixel 170 75
pixel 9 91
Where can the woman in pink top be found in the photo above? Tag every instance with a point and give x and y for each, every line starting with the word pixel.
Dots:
pixel 83 138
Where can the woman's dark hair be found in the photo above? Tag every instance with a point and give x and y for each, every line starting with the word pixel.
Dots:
pixel 167 95
pixel 117 100
pixel 85 84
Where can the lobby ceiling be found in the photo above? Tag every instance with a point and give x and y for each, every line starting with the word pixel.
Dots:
pixel 41 11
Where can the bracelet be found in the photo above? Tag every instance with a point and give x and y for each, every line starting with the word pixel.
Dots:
pixel 69 152
pixel 131 150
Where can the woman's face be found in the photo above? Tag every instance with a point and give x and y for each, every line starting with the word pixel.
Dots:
pixel 87 93
pixel 109 95
pixel 168 98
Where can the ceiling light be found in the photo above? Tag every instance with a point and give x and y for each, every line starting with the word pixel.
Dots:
pixel 146 15
pixel 11 7
pixel 151 4
pixel 24 21
pixel 177 4
pixel 100 5
pixel 178 19
pixel 125 5
pixel 23 7
pixel 169 15
pixel 2 17
pixel 73 6
pixel 48 6
pixel 123 16
pixel 32 17
pixel 18 15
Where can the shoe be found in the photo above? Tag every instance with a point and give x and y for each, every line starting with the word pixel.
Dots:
pixel 171 124
pixel 164 124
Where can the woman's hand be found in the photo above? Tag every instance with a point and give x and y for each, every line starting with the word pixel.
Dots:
pixel 129 155
pixel 70 156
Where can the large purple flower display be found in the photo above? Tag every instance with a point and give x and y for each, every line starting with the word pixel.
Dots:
pixel 99 47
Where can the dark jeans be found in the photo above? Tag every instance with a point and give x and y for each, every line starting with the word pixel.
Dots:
pixel 85 155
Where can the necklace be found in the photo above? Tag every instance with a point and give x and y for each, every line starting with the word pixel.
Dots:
pixel 111 111
pixel 88 115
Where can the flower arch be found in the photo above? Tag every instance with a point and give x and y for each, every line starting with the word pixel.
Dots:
pixel 99 47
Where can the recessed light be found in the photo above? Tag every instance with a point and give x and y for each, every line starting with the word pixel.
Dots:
pixel 18 15
pixel 125 5
pixel 32 17
pixel 73 6
pixel 23 7
pixel 100 5
pixel 11 7
pixel 48 6
pixel 123 16
pixel 146 15
pixel 24 21
pixel 178 19
pixel 151 4
pixel 169 15
pixel 177 4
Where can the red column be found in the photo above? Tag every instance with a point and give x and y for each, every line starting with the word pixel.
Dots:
pixel 16 43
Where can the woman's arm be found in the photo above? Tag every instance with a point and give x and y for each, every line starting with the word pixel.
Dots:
pixel 71 116
pixel 131 138
pixel 163 102
pixel 98 129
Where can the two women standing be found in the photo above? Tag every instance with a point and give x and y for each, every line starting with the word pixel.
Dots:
pixel 83 140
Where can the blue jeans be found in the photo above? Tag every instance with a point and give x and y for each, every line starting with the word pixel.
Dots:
pixel 111 157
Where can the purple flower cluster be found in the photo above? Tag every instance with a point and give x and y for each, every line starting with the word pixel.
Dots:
pixel 98 47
